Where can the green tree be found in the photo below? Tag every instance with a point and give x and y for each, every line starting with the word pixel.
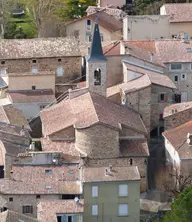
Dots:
pixel 76 8
pixel 181 208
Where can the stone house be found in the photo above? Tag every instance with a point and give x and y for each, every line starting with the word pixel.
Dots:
pixel 29 56
pixel 82 28
pixel 124 203
pixel 59 211
pixel 178 143
pixel 118 138
pixel 31 183
pixel 10 215
pixel 180 19
pixel 177 114
pixel 177 55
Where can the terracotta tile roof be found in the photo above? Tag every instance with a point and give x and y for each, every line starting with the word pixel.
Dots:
pixel 66 147
pixel 180 12
pixel 36 173
pixel 97 174
pixel 154 77
pixel 58 207
pixel 131 148
pixel 11 216
pixel 86 110
pixel 117 13
pixel 10 114
pixel 112 49
pixel 31 96
pixel 38 48
pixel 176 108
pixel 148 45
pixel 173 51
pixel 178 139
pixel 105 20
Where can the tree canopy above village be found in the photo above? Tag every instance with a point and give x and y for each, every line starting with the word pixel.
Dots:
pixel 181 210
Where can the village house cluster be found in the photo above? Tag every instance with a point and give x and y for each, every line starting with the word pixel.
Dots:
pixel 96 126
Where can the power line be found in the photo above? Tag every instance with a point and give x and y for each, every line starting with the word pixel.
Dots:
pixel 58 99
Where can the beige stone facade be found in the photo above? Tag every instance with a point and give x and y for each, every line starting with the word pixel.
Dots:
pixel 71 66
pixel 104 3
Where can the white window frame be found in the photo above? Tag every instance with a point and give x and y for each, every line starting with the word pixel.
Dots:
pixel 175 69
pixel 123 190
pixel 185 78
pixel 177 78
pixel 94 191
pixel 34 69
pixel 59 71
pixel 3 71
pixel 95 210
pixel 120 210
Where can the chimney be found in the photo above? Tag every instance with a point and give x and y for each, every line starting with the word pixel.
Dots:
pixel 110 168
pixel 106 172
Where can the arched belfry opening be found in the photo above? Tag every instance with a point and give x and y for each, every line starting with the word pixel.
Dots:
pixel 97 77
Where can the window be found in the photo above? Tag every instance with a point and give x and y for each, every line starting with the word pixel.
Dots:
pixel 88 37
pixel 76 34
pixel 60 71
pixel 131 160
pixel 34 69
pixel 27 209
pixel 183 76
pixel 88 24
pixel 177 98
pixel 94 210
pixel 69 196
pixel 102 39
pixel 163 97
pixel 59 219
pixel 123 190
pixel 38 196
pixel 59 60
pixel 176 66
pixel 33 87
pixel 42 107
pixel 95 191
pixel 123 209
pixel 10 199
pixel 3 71
pixel 176 77
pixel 34 61
pixel 48 171
pixel 97 77
pixel 161 116
pixel 2 62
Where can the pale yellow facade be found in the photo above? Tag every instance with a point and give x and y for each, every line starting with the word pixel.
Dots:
pixel 80 30
pixel 25 82
pixel 117 3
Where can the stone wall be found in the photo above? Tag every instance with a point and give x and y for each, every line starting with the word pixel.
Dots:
pixel 178 119
pixel 98 141
pixel 30 200
pixel 140 101
pixel 71 66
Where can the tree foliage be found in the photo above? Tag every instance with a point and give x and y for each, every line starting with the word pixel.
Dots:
pixel 76 8
pixel 181 208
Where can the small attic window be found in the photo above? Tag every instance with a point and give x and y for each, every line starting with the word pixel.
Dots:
pixel 59 60
pixel 2 62
pixel 97 77
pixel 34 61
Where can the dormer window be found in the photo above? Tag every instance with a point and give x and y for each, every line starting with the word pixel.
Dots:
pixel 97 77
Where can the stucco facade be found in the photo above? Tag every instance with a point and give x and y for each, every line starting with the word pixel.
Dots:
pixel 146 27
pixel 108 207
pixel 79 30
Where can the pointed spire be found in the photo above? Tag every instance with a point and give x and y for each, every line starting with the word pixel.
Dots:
pixel 96 52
